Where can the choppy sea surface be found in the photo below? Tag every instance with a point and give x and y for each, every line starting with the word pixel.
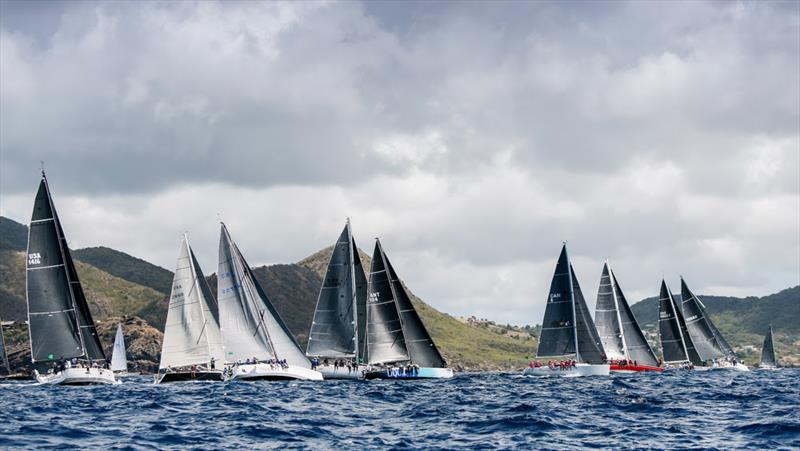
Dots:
pixel 709 410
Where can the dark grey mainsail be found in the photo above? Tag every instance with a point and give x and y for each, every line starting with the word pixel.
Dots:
pixel 619 331
pixel 699 326
pixel 60 324
pixel 385 340
pixel 421 349
pixel 670 333
pixel 334 329
pixel 361 304
pixel 768 351
pixel 568 328
pixel 691 351
pixel 606 315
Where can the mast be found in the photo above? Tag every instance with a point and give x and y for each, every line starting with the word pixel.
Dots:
pixel 572 302
pixel 613 281
pixel 353 292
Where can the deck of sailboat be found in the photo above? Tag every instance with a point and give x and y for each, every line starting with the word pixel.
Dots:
pixel 272 372
pixel 186 376
pixel 405 374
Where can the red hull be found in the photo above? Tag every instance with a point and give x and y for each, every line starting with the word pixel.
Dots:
pixel 635 368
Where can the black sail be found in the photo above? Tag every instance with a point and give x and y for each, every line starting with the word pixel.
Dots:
pixel 333 329
pixel 691 351
pixel 421 348
pixel 558 328
pixel 669 328
pixel 607 318
pixel 385 340
pixel 699 326
pixel 361 304
pixel 721 341
pixel 590 348
pixel 635 343
pixel 768 350
pixel 52 314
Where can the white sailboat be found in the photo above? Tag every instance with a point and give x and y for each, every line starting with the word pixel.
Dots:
pixel 119 360
pixel 257 343
pixel 65 347
pixel 398 346
pixel 192 346
pixel 337 337
pixel 568 331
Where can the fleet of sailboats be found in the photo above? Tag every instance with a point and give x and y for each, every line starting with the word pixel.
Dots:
pixel 363 327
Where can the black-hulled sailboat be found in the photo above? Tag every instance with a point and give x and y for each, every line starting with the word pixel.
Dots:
pixel 623 341
pixel 397 343
pixel 708 341
pixel 65 347
pixel 192 346
pixel 568 332
pixel 768 361
pixel 336 341
pixel 677 348
pixel 257 343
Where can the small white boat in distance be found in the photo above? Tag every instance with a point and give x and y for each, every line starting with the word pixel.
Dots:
pixel 568 330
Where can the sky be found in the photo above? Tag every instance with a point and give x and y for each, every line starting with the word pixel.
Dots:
pixel 473 138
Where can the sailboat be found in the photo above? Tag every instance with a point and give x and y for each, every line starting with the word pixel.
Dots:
pixel 568 329
pixel 192 344
pixel 707 339
pixel 677 347
pixel 338 330
pixel 768 361
pixel 398 344
pixel 623 341
pixel 119 361
pixel 257 343
pixel 63 336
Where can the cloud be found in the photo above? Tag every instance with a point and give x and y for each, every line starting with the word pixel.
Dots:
pixel 473 138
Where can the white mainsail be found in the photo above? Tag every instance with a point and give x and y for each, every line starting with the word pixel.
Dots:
pixel 192 333
pixel 118 360
pixel 251 327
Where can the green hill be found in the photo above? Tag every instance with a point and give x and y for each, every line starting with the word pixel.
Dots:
pixel 126 267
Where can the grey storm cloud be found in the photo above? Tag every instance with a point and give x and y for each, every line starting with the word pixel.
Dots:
pixel 473 136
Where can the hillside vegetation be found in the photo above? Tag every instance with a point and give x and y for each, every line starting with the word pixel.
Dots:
pixel 126 267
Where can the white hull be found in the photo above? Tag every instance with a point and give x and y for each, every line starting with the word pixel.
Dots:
pixel 78 376
pixel 768 367
pixel 579 370
pixel 331 372
pixel 272 372
pixel 741 367
pixel 416 373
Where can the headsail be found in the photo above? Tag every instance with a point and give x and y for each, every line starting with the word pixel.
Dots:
pixel 768 350
pixel 590 348
pixel 635 343
pixel 334 327
pixel 251 327
pixel 619 331
pixel 361 304
pixel 191 333
pixel 699 326
pixel 119 361
pixel 420 346
pixel 60 324
pixel 385 339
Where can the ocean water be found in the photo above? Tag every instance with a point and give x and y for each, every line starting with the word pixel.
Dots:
pixel 710 410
